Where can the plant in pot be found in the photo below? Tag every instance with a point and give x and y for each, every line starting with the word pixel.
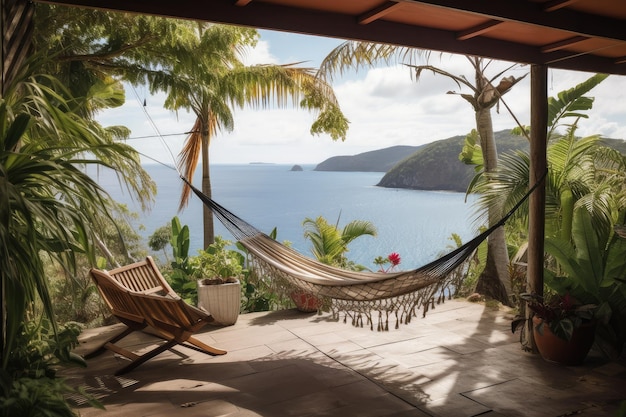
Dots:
pixel 218 270
pixel 588 269
pixel 563 328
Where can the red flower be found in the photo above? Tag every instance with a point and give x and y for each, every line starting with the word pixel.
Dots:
pixel 394 258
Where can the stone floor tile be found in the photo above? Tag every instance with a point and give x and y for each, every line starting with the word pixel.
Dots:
pixel 460 360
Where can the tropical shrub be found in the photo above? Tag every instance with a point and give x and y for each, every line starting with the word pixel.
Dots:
pixel 180 271
pixel 50 208
pixel 329 244
pixel 28 383
pixel 259 291
pixel 591 267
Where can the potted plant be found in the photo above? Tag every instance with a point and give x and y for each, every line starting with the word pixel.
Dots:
pixel 218 271
pixel 563 329
pixel 587 269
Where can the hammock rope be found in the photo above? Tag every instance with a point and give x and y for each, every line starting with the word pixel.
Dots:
pixel 357 294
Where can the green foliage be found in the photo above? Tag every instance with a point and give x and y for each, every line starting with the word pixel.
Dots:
pixel 572 102
pixel 50 207
pixel 180 273
pixel 465 277
pixel 40 350
pixel 36 397
pixel 330 245
pixel 217 261
pixel 561 313
pixel 592 268
pixel 28 384
pixel 436 166
pixel 258 290
pixel 73 293
pixel 180 241
pixel 471 153
pixel 161 237
pixel 206 75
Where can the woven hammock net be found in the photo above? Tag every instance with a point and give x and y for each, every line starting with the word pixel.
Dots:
pixel 364 297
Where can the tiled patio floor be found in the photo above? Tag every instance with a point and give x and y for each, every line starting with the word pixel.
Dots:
pixel 461 360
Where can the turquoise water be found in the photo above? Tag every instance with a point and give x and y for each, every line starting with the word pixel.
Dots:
pixel 415 224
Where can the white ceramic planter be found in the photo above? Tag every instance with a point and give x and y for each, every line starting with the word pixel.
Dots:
pixel 222 301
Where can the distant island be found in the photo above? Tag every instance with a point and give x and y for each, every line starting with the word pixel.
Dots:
pixel 435 166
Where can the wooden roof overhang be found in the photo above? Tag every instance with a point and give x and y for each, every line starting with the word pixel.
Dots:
pixel 584 35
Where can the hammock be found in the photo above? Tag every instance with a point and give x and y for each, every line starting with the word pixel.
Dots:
pixel 355 293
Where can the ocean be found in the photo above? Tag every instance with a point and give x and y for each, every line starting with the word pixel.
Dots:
pixel 415 224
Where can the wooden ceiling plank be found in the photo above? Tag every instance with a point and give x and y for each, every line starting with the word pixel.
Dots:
pixel 555 46
pixel 477 30
pixel 377 13
pixel 525 12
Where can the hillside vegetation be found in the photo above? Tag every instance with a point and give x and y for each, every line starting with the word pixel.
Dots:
pixel 381 160
pixel 435 166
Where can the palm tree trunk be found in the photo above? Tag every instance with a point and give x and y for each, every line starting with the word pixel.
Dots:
pixel 494 281
pixel 207 213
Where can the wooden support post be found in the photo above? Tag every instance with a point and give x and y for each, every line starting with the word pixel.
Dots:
pixel 537 201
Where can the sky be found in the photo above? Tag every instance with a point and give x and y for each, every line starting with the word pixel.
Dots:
pixel 386 107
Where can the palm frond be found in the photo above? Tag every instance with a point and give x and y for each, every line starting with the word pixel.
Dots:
pixel 571 102
pixel 355 55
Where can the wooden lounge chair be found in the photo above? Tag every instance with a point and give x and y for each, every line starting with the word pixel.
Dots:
pixel 150 303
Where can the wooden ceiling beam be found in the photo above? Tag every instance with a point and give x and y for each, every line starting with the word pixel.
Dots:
pixel 523 11
pixel 553 5
pixel 620 61
pixel 477 30
pixel 555 46
pixel 567 55
pixel 377 13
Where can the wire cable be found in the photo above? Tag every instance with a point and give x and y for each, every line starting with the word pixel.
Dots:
pixel 158 134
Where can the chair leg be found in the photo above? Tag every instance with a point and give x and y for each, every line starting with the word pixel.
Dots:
pixel 203 347
pixel 106 345
pixel 146 356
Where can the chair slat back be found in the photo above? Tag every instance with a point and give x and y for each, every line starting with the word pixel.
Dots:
pixel 172 317
pixel 144 277
pixel 117 297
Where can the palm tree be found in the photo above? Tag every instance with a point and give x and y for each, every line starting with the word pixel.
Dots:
pixel 581 170
pixel 330 245
pixel 494 281
pixel 208 78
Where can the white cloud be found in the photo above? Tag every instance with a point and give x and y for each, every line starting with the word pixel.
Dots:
pixel 260 54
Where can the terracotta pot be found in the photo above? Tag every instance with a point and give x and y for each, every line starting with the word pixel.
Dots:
pixel 304 301
pixel 565 352
pixel 222 301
